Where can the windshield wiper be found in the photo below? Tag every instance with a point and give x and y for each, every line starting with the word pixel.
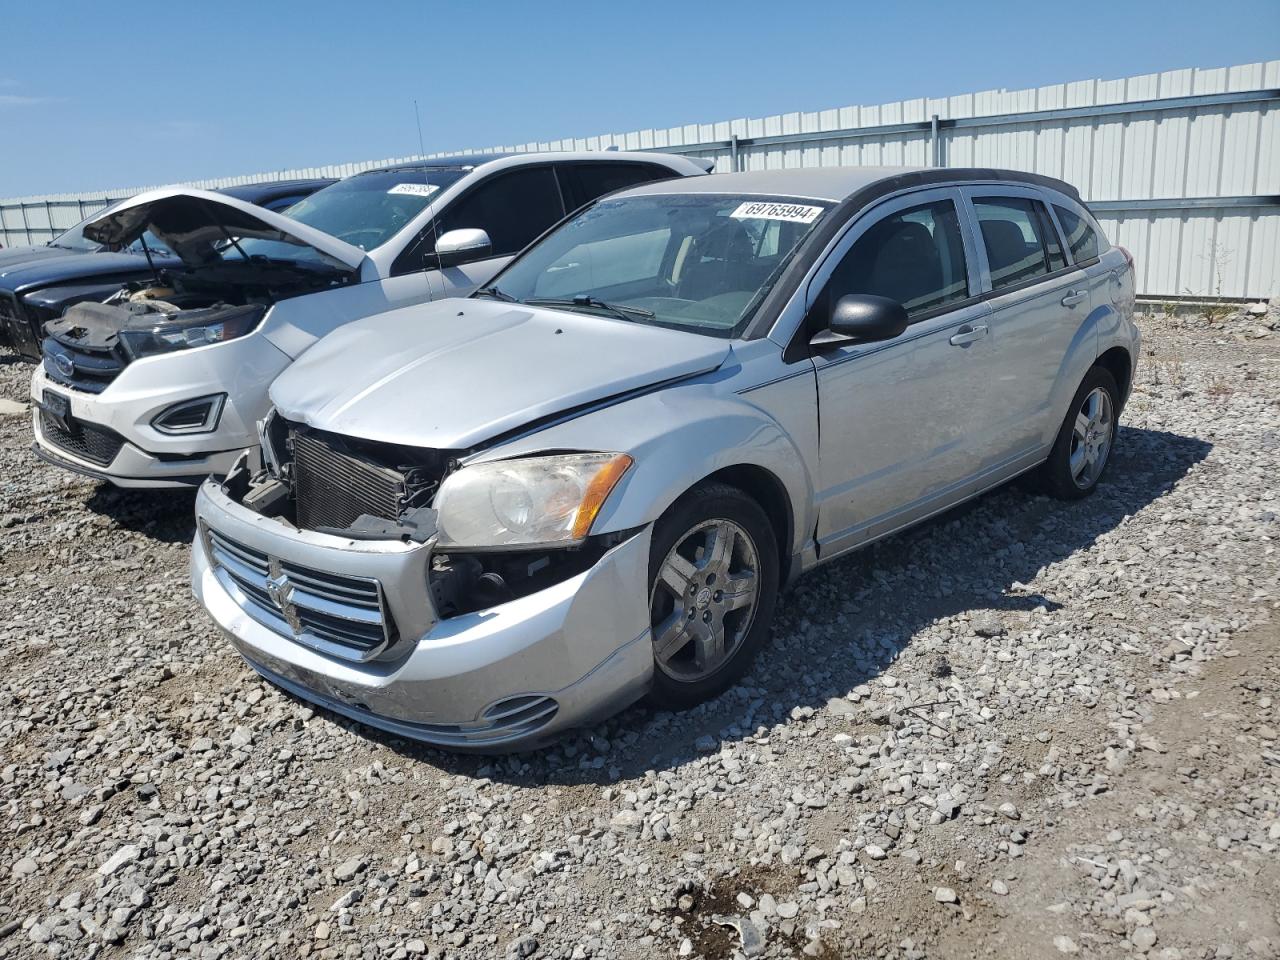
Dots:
pixel 496 294
pixel 619 310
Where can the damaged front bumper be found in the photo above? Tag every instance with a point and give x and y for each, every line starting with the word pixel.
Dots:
pixel 130 467
pixel 110 435
pixel 508 677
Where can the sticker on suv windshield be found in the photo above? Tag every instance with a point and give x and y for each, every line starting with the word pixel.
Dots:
pixel 759 210
pixel 415 189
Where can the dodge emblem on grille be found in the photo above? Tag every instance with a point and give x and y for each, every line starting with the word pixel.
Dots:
pixel 280 590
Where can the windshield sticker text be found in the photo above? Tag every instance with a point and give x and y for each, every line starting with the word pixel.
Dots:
pixel 794 212
pixel 415 189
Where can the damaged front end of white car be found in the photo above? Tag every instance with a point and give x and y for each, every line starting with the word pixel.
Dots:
pixel 237 262
pixel 161 383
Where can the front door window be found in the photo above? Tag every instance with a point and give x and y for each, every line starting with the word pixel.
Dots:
pixel 915 257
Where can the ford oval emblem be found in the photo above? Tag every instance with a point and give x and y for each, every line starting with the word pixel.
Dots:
pixel 64 364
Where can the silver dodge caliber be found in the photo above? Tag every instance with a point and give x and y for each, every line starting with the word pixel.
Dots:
pixel 484 521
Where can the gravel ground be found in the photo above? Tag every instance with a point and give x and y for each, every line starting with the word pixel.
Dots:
pixel 1028 729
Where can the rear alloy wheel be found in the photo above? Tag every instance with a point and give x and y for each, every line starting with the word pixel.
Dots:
pixel 1091 435
pixel 1084 442
pixel 713 584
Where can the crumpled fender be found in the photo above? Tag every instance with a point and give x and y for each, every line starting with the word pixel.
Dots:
pixel 677 436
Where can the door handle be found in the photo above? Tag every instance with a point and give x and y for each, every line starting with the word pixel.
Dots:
pixel 968 334
pixel 1074 297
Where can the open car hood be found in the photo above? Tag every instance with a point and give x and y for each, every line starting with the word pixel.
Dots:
pixel 454 373
pixel 191 222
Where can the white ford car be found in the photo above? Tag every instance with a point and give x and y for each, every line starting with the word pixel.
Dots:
pixel 163 383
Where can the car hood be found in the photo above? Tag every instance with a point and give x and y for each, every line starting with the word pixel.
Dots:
pixel 451 374
pixel 33 274
pixel 12 255
pixel 189 222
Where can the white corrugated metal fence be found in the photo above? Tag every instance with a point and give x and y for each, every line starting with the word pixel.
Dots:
pixel 1181 167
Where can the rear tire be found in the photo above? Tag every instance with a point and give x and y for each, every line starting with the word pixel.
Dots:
pixel 713 585
pixel 1083 447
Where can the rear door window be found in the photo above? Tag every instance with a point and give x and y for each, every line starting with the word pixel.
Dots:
pixel 1019 239
pixel 915 257
pixel 1081 238
pixel 584 182
pixel 513 208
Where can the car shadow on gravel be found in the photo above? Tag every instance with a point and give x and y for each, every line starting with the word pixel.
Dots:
pixel 844 624
pixel 168 516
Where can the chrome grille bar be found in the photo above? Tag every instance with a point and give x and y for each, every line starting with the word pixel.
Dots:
pixel 341 615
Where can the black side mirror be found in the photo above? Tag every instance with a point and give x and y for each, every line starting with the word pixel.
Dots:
pixel 862 318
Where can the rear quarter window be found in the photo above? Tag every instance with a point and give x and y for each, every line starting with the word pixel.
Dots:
pixel 1082 239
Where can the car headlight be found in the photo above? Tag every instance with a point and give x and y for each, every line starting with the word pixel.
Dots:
pixel 152 333
pixel 538 501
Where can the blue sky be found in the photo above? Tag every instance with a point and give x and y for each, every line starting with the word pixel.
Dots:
pixel 99 95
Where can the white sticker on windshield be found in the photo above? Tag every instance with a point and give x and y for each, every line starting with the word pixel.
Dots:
pixel 760 210
pixel 415 189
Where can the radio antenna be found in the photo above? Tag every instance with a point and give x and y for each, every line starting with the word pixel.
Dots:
pixel 426 180
pixel 422 150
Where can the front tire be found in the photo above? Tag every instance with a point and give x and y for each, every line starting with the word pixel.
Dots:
pixel 713 585
pixel 1083 448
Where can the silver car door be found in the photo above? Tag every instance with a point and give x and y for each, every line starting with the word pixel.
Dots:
pixel 1039 304
pixel 895 418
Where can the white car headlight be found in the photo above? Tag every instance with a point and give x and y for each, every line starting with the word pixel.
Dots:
pixel 538 501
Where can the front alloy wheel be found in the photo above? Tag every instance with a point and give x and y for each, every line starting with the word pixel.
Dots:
pixel 703 603
pixel 713 583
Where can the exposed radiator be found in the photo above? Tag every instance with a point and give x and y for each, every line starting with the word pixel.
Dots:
pixel 334 488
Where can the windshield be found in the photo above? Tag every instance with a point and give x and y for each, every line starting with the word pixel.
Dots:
pixel 365 211
pixel 74 239
pixel 694 262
